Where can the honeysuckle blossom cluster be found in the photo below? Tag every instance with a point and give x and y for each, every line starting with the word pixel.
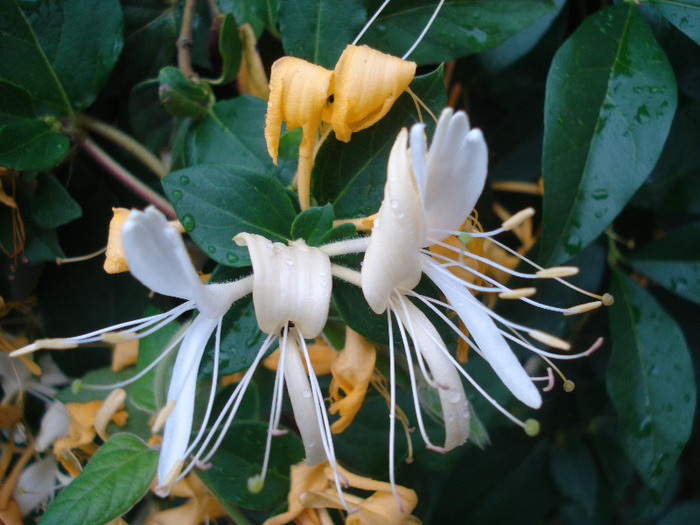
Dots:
pixel 429 195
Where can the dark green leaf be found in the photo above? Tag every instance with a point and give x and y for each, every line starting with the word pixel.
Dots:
pixel 217 202
pixel 313 224
pixel 611 96
pixel 682 514
pixel 230 50
pixel 684 14
pixel 575 474
pixel 31 145
pixel 461 28
pixel 150 123
pixel 116 477
pixel 319 31
pixel 60 52
pixel 650 382
pixel 52 205
pixel 673 261
pixel 240 457
pixel 183 97
pixel 351 176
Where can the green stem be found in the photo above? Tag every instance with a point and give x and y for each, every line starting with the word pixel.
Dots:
pixel 125 142
pixel 184 41
pixel 126 178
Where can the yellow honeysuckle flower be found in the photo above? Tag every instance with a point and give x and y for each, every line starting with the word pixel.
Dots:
pixel 115 259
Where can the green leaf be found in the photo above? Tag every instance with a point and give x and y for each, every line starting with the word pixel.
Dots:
pixel 217 202
pixel 319 31
pixel 31 145
pixel 683 513
pixel 684 14
pixel 461 28
pixel 150 123
pixel 673 261
pixel 60 52
pixel 240 457
pixel 52 205
pixel 574 472
pixel 313 224
pixel 232 132
pixel 229 49
pixel 351 176
pixel 611 96
pixel 116 477
pixel 650 382
pixel 183 97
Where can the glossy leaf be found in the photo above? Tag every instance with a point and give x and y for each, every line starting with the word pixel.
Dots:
pixel 611 96
pixel 574 472
pixel 650 382
pixel 319 31
pixel 240 457
pixel 217 202
pixel 150 122
pixel 684 14
pixel 313 224
pixel 60 52
pixel 229 49
pixel 183 97
pixel 351 176
pixel 52 205
pixel 31 145
pixel 673 261
pixel 116 477
pixel 461 28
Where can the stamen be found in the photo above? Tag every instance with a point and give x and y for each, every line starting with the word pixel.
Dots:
pixel 549 340
pixel 608 299
pixel 557 272
pixel 44 344
pixel 569 386
pixel 162 416
pixel 425 30
pixel 163 489
pixel 107 409
pixel 392 410
pixel 370 21
pixel 585 307
pixel 255 484
pixel 549 378
pixel 518 293
pixel 517 219
pixel 532 427
pixel 117 337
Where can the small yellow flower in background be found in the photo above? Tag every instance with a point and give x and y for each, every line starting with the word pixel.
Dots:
pixel 320 353
pixel 365 85
pixel 303 479
pixel 352 372
pixel 200 507
pixel 115 259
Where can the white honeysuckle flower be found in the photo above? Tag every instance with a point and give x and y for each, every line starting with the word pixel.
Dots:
pixel 15 377
pixel 54 424
pixel 158 258
pixel 37 484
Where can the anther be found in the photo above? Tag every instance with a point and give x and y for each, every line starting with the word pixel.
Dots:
pixel 107 410
pixel 162 416
pixel 255 484
pixel 464 238
pixel 549 340
pixel 532 427
pixel 518 293
pixel 557 271
pixel 569 386
pixel 163 489
pixel 44 344
pixel 518 219
pixel 117 337
pixel 585 307
pixel 76 386
pixel 608 300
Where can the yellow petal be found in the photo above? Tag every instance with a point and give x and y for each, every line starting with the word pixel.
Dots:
pixel 303 479
pixel 299 91
pixel 320 354
pixel 115 260
pixel 366 83
pixel 352 371
pixel 125 354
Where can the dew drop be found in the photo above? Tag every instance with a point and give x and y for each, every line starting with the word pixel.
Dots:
pixel 212 249
pixel 177 195
pixel 600 194
pixel 187 222
pixel 288 262
pixel 184 180
pixel 306 393
pixel 231 258
pixel 394 203
pixel 453 397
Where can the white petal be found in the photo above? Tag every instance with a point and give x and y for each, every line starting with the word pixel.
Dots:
pixel 303 403
pixel 455 408
pixel 183 383
pixel 51 375
pixel 392 258
pixel 455 172
pixel 54 424
pixel 157 256
pixel 14 376
pixel 290 283
pixel 36 484
pixel 488 338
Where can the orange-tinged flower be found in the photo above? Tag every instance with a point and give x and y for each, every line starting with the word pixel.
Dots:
pixel 303 479
pixel 115 259
pixel 320 353
pixel 365 85
pixel 200 507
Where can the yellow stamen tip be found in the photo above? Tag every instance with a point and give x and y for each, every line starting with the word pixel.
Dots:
pixel 464 238
pixel 518 219
pixel 162 416
pixel 117 337
pixel 255 484
pixel 76 386
pixel 518 293
pixel 532 427
pixel 608 300
pixel 549 340
pixel 569 386
pixel 585 307
pixel 557 271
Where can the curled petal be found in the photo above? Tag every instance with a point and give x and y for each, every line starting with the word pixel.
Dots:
pixel 483 329
pixel 392 259
pixel 299 92
pixel 455 171
pixel 366 83
pixel 290 283
pixel 303 403
pixel 183 383
pixel 115 260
